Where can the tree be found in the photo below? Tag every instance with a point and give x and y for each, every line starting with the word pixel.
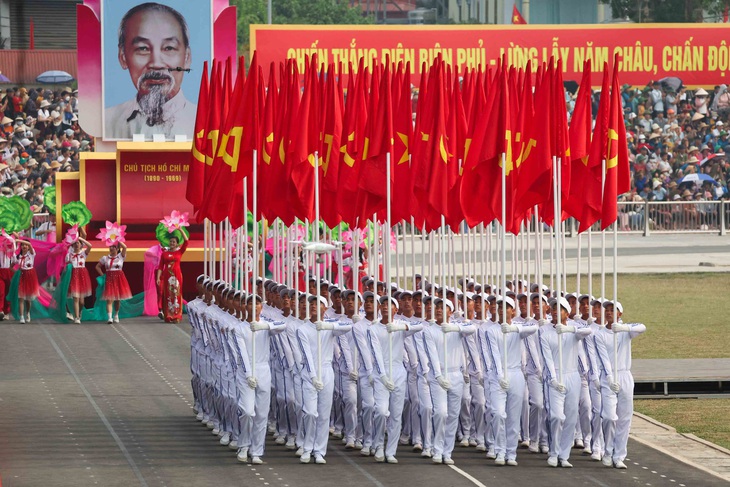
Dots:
pixel 295 12
pixel 668 10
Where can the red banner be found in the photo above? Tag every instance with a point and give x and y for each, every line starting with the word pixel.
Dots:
pixel 698 54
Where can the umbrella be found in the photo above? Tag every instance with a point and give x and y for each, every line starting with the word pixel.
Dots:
pixel 695 177
pixel 4 79
pixel 54 77
pixel 671 82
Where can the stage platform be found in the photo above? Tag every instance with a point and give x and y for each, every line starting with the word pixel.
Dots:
pixel 681 377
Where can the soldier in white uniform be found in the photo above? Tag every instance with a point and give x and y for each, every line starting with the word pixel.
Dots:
pixel 561 397
pixel 386 341
pixel 364 370
pixel 617 382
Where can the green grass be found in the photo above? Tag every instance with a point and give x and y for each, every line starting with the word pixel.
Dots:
pixel 686 315
pixel 706 418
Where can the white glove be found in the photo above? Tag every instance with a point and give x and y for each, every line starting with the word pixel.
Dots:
pixel 560 329
pixel 504 384
pixel 557 386
pixel 252 382
pixel 591 320
pixel 317 384
pixel 387 383
pixel 259 326
pixel 394 327
pixel 371 381
pixel 480 378
pixel 543 322
pixel 615 387
pixel 450 328
pixel 596 384
pixel 325 326
pixel 509 328
pixel 466 379
pixel 353 376
pixel 620 327
pixel 444 383
pixel 355 318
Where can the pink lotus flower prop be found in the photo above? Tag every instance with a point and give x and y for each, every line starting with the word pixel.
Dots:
pixel 112 234
pixel 6 243
pixel 175 221
pixel 72 235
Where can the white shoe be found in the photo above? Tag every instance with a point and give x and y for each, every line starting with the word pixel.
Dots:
pixel 379 455
pixel 473 442
pixel 437 459
pixel 27 318
pixel 533 448
pixel 332 430
pixel 566 464
pixel 199 417
pixel 242 455
pixel 271 429
pixel 280 440
pixel 305 458
pixel 596 456
pixel 544 449
pixel 587 450
pixel 490 453
pixel 300 451
pixel 109 321
pixel 233 445
pixel 391 459
pixel 426 453
pixel 6 318
pixel 337 435
pixel 365 451
pixel 525 444
pixel 210 424
pixel 553 461
pixel 257 461
pixel 290 444
pixel 77 321
pixel 499 460
pixel 579 443
pixel 607 461
pixel 215 431
pixel 22 320
pixel 621 465
pixel 403 440
pixel 482 448
pixel 319 459
pixel 225 439
pixel 350 446
pixel 512 463
pixel 464 443
pixel 358 445
pixel 417 447
pixel 448 461
pixel 69 316
pixel 116 319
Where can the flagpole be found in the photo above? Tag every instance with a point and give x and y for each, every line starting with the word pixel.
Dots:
pixel 356 286
pixel 504 261
pixel 316 265
pixel 255 240
pixel 590 261
pixel 577 273
pixel 465 247
pixel 539 256
pixel 615 296
pixel 244 249
pixel 397 254
pixel 387 251
pixel 558 280
pixel 442 268
pixel 431 266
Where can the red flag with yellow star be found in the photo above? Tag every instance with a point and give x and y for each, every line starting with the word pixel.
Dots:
pixel 402 197
pixel 517 17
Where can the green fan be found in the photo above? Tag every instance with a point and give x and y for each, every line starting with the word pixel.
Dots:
pixel 76 213
pixel 49 199
pixel 15 214
pixel 163 235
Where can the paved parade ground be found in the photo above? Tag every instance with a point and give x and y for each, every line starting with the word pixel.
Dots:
pixel 110 405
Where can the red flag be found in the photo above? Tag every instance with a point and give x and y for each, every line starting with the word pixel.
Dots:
pixel 210 143
pixel 593 183
pixel 352 135
pixel 517 17
pixel 266 183
pixel 456 127
pixel 617 155
pixel 580 142
pixel 331 154
pixel 304 144
pixel 195 190
pixel 402 197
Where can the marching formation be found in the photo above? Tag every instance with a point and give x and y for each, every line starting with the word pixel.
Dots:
pixel 483 367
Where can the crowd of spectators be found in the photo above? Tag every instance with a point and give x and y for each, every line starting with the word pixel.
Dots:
pixel 39 137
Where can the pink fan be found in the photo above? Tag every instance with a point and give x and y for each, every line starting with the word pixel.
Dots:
pixel 7 243
pixel 112 234
pixel 175 221
pixel 72 235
